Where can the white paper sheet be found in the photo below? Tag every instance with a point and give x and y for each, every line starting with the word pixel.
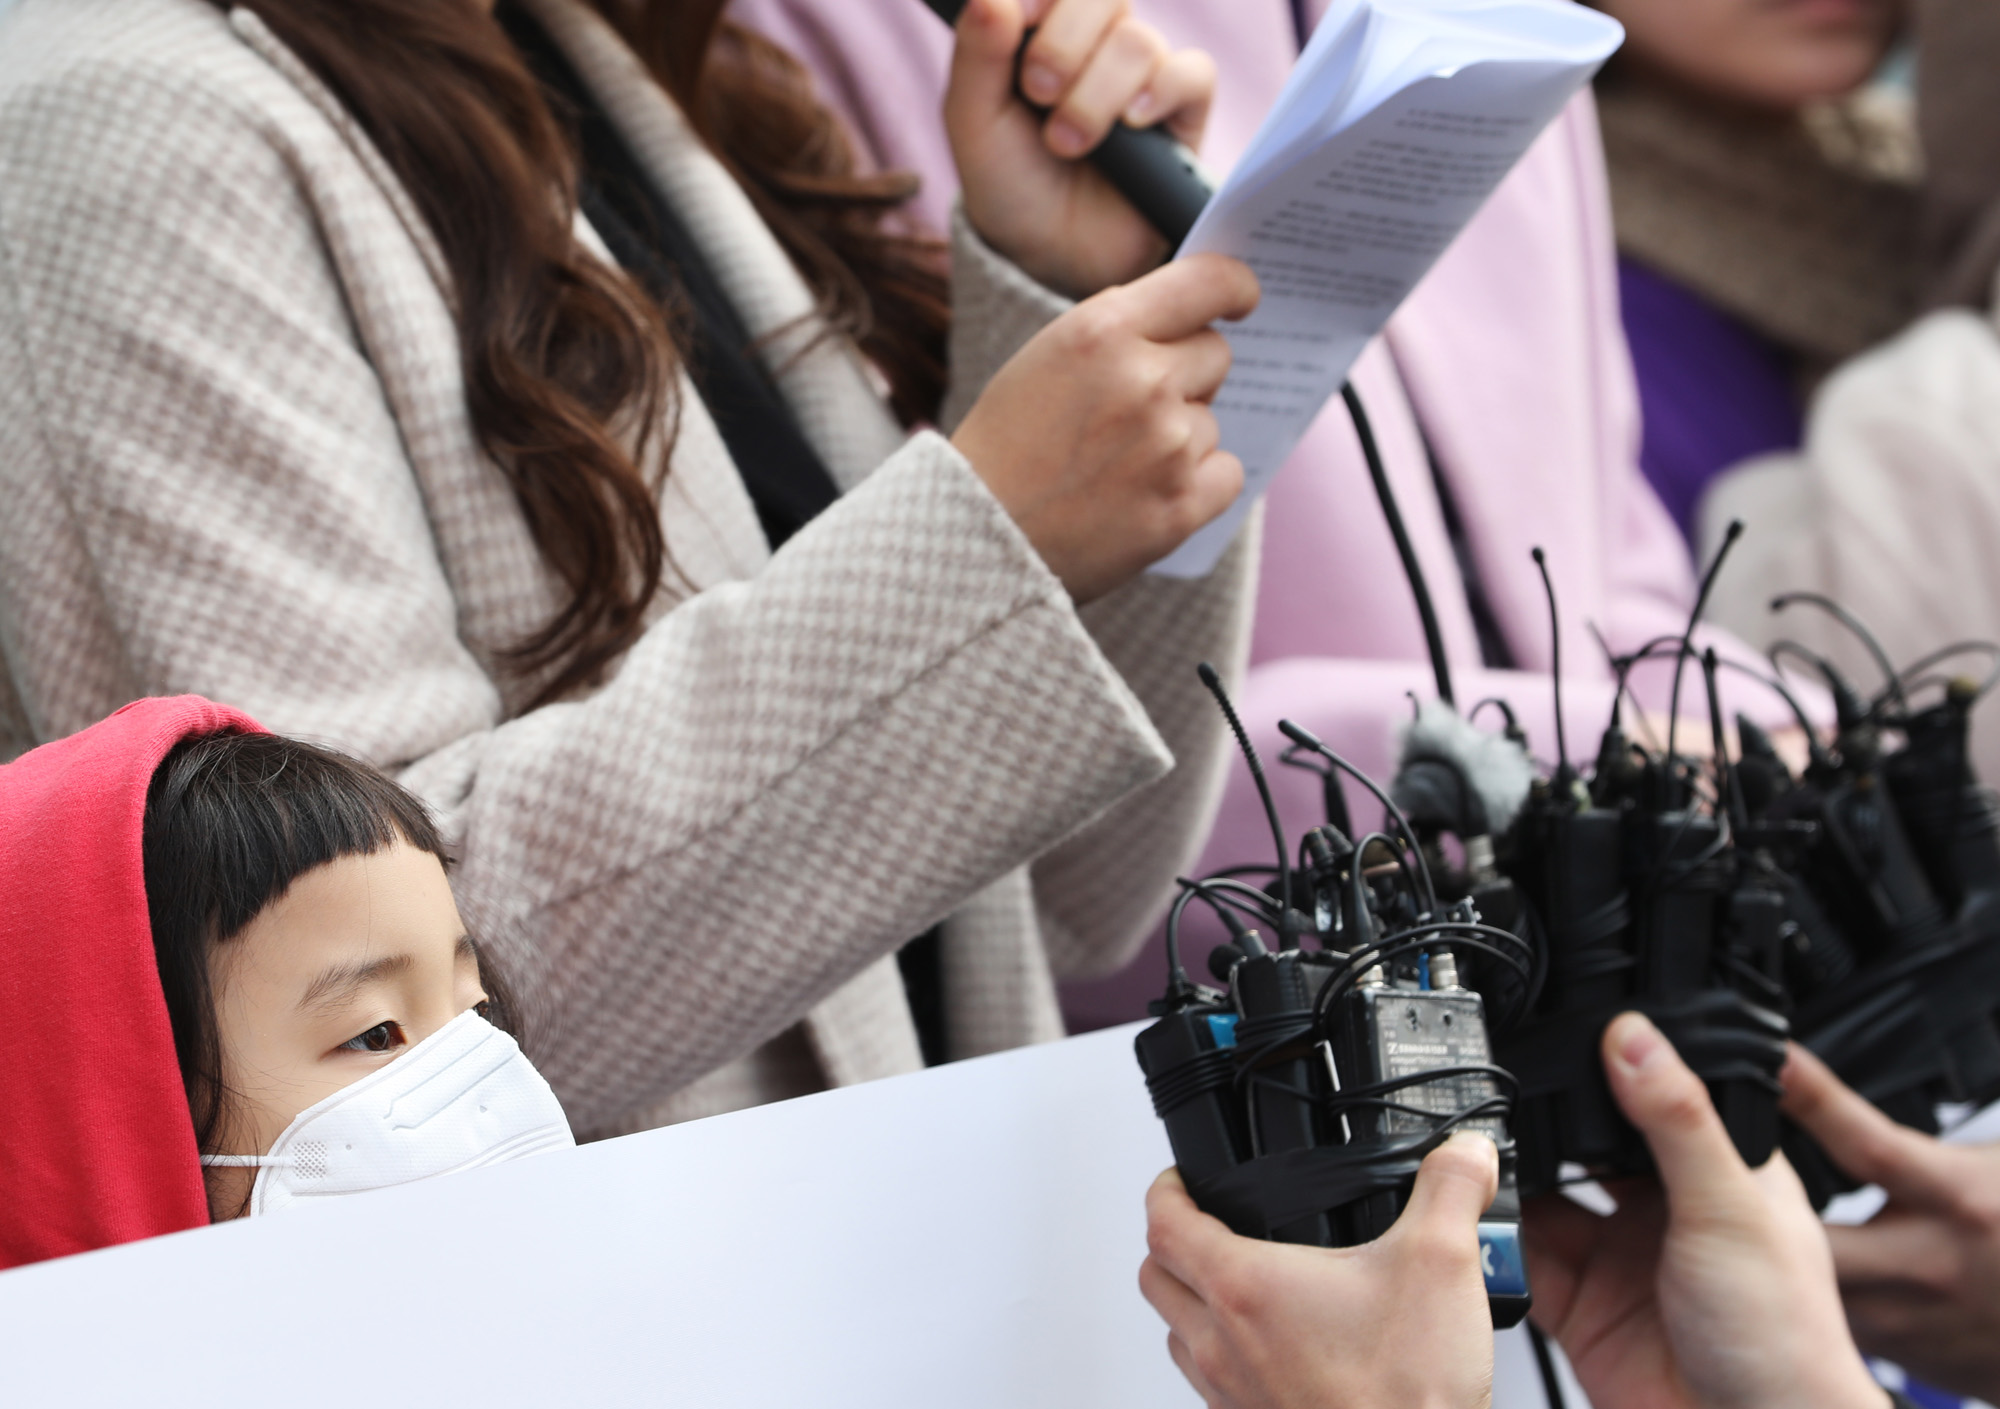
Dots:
pixel 968 1237
pixel 1400 119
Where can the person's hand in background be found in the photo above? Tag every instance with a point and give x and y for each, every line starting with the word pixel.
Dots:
pixel 1025 191
pixel 1399 1323
pixel 1711 1288
pixel 1921 1279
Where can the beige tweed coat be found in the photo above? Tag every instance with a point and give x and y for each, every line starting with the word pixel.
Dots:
pixel 235 459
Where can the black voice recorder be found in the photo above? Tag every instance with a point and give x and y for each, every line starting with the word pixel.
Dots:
pixel 1301 1096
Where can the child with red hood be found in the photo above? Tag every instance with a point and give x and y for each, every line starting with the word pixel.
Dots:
pixel 232 980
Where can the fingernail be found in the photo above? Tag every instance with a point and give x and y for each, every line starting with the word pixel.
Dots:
pixel 1140 112
pixel 1041 83
pixel 1637 1041
pixel 1489 1151
pixel 1065 138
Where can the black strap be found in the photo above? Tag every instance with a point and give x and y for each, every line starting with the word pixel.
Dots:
pixel 788 483
pixel 787 480
pixel 921 963
pixel 1301 26
pixel 1494 652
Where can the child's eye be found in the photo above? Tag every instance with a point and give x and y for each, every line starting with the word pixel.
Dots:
pixel 383 1037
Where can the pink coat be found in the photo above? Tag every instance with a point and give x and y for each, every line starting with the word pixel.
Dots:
pixel 1510 353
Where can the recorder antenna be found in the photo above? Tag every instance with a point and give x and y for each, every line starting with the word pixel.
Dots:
pixel 1214 684
pixel 1563 771
pixel 1687 637
pixel 1619 669
pixel 1372 453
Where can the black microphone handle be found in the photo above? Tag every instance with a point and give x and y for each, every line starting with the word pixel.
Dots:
pixel 1146 165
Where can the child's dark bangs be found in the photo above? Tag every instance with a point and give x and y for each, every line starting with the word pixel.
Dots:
pixel 233 819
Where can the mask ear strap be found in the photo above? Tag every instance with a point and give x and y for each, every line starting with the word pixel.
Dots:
pixel 245 1161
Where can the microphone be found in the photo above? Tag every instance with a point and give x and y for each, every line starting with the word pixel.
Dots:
pixel 1160 177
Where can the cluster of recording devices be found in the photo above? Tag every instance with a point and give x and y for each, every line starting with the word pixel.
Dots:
pixel 1457 969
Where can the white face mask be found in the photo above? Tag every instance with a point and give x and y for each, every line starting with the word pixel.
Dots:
pixel 463 1097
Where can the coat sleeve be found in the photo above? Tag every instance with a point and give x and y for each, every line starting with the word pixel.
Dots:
pixel 1099 893
pixel 787 777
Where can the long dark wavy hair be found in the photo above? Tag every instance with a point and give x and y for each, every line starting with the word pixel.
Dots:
pixel 568 365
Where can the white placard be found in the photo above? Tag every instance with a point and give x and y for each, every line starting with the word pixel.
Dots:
pixel 967 1237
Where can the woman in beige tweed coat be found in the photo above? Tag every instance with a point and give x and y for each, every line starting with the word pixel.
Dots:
pixel 236 459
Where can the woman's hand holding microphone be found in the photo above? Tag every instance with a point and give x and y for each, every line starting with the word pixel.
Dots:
pixel 1097 437
pixel 1088 65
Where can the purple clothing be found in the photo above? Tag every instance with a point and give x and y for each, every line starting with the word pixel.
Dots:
pixel 1712 392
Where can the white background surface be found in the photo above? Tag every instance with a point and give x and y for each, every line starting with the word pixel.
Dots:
pixel 969 1236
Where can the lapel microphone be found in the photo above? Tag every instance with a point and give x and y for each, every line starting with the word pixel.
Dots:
pixel 1162 179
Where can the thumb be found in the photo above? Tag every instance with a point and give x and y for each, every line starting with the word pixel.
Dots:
pixel 982 65
pixel 1184 296
pixel 1658 1093
pixel 1455 1184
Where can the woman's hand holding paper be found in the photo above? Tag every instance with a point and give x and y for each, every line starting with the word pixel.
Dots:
pixel 1097 437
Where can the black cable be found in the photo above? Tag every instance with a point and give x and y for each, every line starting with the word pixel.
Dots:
pixel 1264 905
pixel 1622 667
pixel 1728 792
pixel 1398 853
pixel 1332 798
pixel 1786 646
pixel 1506 713
pixel 1373 1096
pixel 1518 955
pixel 1892 680
pixel 1847 703
pixel 1214 683
pixel 1419 588
pixel 1619 668
pixel 1177 974
pixel 1399 845
pixel 1311 744
pixel 1178 981
pixel 1623 664
pixel 1957 648
pixel 1552 1388
pixel 1778 687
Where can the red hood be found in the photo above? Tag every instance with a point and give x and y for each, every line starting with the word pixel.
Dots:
pixel 98 1147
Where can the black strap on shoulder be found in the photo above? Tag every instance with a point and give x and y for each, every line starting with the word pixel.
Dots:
pixel 787 480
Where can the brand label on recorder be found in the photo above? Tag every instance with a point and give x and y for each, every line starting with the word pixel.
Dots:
pixel 1416 1032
